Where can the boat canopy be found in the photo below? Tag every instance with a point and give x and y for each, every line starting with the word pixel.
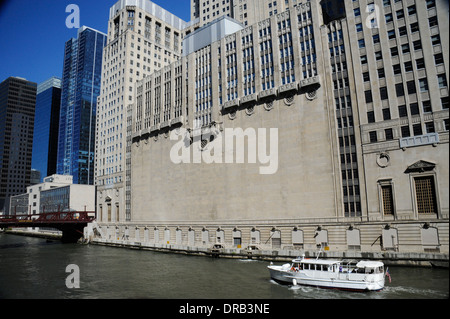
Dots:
pixel 316 261
pixel 359 264
pixel 369 264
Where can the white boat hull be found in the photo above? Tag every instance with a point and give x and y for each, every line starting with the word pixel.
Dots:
pixel 333 280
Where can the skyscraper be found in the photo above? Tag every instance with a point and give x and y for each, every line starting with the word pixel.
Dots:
pixel 45 137
pixel 17 102
pixel 142 38
pixel 80 89
pixel 247 12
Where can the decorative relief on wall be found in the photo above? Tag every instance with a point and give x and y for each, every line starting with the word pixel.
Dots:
pixel 383 159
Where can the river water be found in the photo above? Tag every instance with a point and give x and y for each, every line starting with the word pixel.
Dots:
pixel 34 268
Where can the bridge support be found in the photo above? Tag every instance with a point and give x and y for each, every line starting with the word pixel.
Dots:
pixel 72 233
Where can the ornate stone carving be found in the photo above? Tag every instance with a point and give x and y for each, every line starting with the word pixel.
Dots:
pixel 420 167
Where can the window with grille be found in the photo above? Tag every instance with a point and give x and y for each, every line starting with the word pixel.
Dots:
pixel 388 202
pixel 425 195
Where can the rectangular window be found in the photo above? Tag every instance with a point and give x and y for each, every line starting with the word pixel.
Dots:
pixel 417 129
pixel 420 63
pixel 388 134
pixel 414 108
pixel 370 117
pixel 366 77
pixel 394 51
pixel 368 95
pixel 438 58
pixel 444 103
pixel 425 195
pixel 408 66
pixel 376 38
pixel 364 59
pixel 426 106
pixel 411 85
pixel 399 89
pixel 431 4
pixel 391 34
pixel 373 136
pixel 378 55
pixel 423 84
pixel 388 200
pixel 361 43
pixel 429 127
pixel 383 93
pixel 433 21
pixel 435 39
pixel 414 27
pixel 405 48
pixel 388 17
pixel 386 114
pixel 405 131
pixel 417 45
pixel 402 112
pixel 442 81
pixel 397 69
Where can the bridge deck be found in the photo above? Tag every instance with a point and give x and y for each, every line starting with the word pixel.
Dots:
pixel 70 223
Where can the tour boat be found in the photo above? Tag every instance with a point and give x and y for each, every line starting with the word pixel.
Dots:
pixel 335 274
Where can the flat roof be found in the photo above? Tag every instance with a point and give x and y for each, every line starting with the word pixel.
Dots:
pixel 151 8
pixel 210 33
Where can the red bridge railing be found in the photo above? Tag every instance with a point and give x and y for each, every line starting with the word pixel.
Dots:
pixel 46 218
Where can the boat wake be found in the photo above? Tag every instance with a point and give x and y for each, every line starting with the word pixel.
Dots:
pixel 402 291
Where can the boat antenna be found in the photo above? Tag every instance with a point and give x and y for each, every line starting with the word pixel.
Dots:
pixel 320 250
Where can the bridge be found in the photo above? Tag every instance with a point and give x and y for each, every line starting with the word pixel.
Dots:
pixel 70 223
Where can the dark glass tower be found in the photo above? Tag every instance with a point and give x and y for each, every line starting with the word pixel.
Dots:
pixel 80 88
pixel 17 102
pixel 46 120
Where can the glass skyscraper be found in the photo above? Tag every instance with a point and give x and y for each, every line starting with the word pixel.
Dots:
pixel 45 137
pixel 80 88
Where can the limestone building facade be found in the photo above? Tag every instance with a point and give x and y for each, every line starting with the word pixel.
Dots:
pixel 343 120
pixel 142 38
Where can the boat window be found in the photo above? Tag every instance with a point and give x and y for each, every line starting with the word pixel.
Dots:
pixel 370 270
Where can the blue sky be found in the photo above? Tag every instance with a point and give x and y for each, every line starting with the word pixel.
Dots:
pixel 33 32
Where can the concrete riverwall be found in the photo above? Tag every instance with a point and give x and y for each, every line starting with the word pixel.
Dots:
pixel 402 243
